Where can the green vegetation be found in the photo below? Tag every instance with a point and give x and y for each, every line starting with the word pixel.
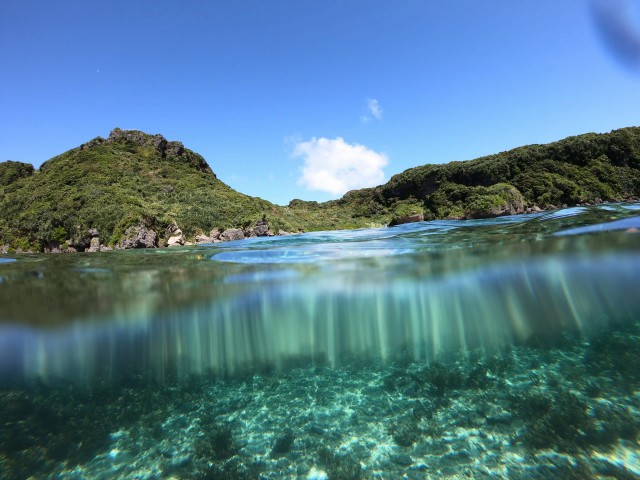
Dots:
pixel 11 171
pixel 588 168
pixel 133 178
pixel 112 184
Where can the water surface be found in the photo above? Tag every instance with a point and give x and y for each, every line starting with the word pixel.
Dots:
pixel 434 350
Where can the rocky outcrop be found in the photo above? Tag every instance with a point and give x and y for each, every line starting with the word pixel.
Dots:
pixel 231 234
pixel 261 229
pixel 56 247
pixel 139 237
pixel 165 149
pixel 176 238
pixel 161 144
pixel 534 209
pixel 94 245
pixel 419 217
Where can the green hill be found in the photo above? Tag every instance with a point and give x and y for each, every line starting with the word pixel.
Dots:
pixel 131 179
pixel 109 185
pixel 588 168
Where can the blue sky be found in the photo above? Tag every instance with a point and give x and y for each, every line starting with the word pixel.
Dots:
pixel 306 99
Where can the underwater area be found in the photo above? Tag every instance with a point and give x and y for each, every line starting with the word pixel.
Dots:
pixel 504 348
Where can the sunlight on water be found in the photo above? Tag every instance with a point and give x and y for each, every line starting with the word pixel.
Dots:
pixel 428 290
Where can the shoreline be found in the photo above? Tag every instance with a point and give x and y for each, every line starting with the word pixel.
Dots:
pixel 141 237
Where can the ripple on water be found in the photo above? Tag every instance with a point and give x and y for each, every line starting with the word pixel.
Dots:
pixel 624 224
pixel 308 254
pixel 92 270
pixel 564 213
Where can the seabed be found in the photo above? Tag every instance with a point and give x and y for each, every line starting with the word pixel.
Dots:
pixel 554 408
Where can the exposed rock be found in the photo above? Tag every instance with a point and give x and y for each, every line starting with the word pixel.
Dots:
pixel 4 248
pixel 93 232
pixel 56 247
pixel 52 247
pixel 160 143
pixel 419 217
pixel 200 239
pixel 165 148
pixel 262 229
pixel 94 245
pixel 176 239
pixel 232 234
pixel 139 237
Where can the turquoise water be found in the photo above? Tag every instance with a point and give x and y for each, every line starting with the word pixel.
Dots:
pixel 499 348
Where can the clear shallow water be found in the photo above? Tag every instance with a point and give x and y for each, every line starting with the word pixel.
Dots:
pixel 300 334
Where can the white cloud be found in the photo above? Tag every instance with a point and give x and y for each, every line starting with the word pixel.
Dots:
pixel 374 108
pixel 335 166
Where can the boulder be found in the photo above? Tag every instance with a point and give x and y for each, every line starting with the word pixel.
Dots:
pixel 56 247
pixel 94 245
pixel 176 239
pixel 232 234
pixel 200 239
pixel 139 237
pixel 418 217
pixel 261 229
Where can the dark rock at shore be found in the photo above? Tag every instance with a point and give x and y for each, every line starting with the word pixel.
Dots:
pixel 232 234
pixel 261 229
pixel 419 217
